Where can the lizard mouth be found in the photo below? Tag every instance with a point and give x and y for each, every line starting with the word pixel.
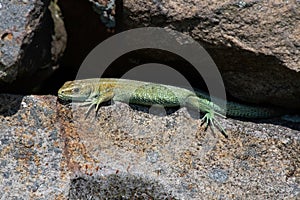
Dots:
pixel 63 100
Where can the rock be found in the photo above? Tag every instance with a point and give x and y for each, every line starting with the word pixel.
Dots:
pixel 31 149
pixel 50 151
pixel 255 44
pixel 32 42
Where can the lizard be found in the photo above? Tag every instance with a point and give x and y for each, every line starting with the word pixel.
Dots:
pixel 95 91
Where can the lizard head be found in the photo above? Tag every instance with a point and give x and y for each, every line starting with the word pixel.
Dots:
pixel 75 91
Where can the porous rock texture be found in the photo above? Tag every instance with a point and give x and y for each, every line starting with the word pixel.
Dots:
pixel 53 151
pixel 50 151
pixel 255 44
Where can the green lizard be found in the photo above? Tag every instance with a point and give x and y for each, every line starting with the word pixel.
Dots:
pixel 93 92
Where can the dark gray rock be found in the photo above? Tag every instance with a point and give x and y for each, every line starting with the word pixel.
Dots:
pixel 30 43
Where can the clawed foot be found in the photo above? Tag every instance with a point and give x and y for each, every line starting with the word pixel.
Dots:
pixel 91 105
pixel 209 119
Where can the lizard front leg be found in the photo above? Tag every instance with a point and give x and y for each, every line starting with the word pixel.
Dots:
pixel 97 99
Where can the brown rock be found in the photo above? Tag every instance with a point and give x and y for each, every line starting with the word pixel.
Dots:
pixel 255 44
pixel 48 151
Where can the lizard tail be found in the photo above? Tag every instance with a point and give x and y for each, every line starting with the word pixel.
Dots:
pixel 247 111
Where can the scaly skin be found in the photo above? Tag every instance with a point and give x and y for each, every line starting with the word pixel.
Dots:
pixel 95 91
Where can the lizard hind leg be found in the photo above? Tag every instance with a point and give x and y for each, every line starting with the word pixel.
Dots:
pixel 210 120
pixel 207 107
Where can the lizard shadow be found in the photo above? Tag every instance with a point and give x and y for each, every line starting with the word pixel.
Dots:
pixel 154 110
pixel 162 111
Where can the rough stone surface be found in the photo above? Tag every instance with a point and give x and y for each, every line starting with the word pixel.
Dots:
pixel 30 43
pixel 49 150
pixel 254 43
pixel 31 149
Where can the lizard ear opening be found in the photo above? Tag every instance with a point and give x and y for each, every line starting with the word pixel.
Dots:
pixel 75 90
